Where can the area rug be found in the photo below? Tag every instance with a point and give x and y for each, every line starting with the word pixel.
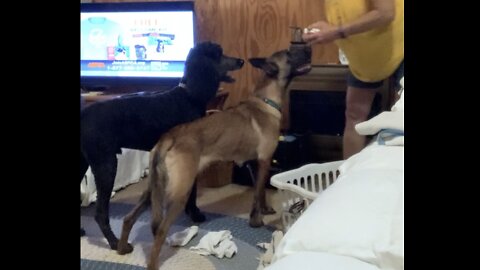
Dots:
pixel 96 254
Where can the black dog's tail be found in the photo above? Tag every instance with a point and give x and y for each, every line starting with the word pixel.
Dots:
pixel 158 181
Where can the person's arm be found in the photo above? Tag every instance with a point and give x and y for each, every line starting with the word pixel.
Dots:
pixel 381 14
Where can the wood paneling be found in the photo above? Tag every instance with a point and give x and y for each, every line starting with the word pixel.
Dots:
pixel 255 28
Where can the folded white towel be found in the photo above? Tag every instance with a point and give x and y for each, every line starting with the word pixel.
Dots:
pixel 219 244
pixel 183 237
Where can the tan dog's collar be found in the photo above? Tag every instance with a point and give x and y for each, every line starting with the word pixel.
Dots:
pixel 272 103
pixel 269 108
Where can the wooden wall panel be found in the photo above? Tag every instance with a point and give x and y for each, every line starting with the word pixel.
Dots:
pixel 255 28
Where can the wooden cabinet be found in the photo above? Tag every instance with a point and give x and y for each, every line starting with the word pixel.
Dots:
pixel 316 106
pixel 330 78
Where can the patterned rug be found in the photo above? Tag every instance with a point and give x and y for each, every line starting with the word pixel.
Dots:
pixel 96 254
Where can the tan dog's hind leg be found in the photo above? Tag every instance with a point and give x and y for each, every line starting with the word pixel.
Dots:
pixel 123 246
pixel 182 169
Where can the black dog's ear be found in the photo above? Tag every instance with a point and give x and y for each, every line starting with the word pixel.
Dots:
pixel 270 68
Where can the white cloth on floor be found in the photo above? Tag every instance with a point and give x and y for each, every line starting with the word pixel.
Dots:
pixel 183 237
pixel 219 244
pixel 266 258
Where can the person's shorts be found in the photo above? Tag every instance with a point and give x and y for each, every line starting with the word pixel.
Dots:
pixel 396 76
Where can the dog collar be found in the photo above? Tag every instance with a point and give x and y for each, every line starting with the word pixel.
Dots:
pixel 272 103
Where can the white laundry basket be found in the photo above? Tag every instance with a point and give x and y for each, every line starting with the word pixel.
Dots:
pixel 299 187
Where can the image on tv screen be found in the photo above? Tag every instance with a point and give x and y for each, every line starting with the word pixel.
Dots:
pixel 135 44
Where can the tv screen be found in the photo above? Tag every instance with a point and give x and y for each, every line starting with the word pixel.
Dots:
pixel 135 41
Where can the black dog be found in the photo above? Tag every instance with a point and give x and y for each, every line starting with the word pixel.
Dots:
pixel 138 121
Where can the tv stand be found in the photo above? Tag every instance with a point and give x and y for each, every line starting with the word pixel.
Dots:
pixel 92 97
pixel 122 89
pixel 95 89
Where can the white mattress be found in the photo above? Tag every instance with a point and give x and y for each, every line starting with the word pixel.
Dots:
pixel 359 216
pixel 308 260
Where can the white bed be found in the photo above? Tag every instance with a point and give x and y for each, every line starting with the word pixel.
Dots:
pixel 132 166
pixel 358 222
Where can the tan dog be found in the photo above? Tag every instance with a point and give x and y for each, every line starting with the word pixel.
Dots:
pixel 245 132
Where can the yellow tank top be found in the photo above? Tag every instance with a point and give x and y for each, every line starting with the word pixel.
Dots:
pixel 373 55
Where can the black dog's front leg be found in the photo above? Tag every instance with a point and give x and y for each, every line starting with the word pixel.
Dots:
pixel 191 208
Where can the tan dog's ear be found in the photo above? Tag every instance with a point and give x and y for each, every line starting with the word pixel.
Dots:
pixel 270 68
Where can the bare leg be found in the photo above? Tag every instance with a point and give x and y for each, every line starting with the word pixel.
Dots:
pixel 358 106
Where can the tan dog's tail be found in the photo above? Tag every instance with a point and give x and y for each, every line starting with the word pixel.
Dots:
pixel 157 159
pixel 158 181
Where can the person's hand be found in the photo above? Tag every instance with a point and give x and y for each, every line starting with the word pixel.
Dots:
pixel 327 33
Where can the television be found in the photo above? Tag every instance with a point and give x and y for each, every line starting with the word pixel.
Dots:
pixel 134 43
